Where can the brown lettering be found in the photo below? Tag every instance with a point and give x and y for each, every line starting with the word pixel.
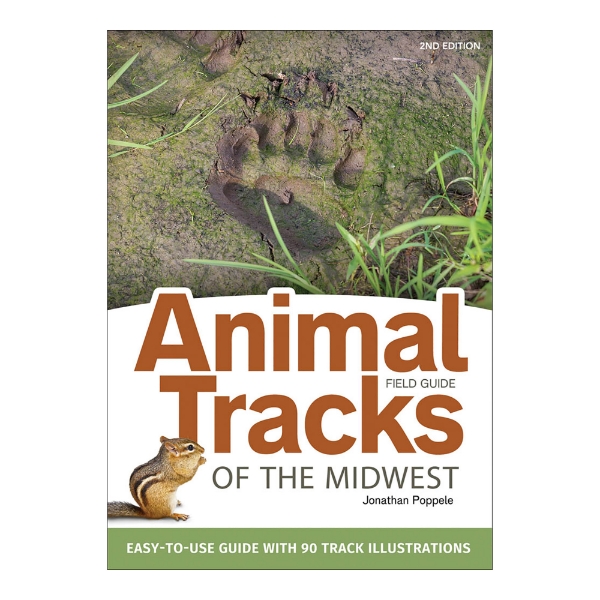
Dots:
pixel 374 422
pixel 281 342
pixel 223 411
pixel 450 357
pixel 225 326
pixel 314 424
pixel 338 328
pixel 423 339
pixel 451 428
pixel 153 348
pixel 287 420
pixel 188 387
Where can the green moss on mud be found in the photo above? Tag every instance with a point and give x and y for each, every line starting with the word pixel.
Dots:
pixel 159 208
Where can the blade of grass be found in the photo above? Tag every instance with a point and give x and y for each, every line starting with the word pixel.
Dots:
pixel 278 271
pixel 444 220
pixel 438 161
pixel 280 239
pixel 298 278
pixel 127 144
pixel 115 76
pixel 355 248
pixel 130 100
pixel 192 123
pixel 465 87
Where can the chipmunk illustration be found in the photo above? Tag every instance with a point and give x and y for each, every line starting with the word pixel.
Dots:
pixel 154 484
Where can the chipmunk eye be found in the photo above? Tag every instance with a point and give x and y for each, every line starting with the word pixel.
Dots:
pixel 190 447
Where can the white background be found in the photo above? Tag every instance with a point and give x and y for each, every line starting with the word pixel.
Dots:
pixel 139 414
pixel 54 301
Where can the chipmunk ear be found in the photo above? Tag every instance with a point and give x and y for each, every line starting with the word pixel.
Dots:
pixel 171 448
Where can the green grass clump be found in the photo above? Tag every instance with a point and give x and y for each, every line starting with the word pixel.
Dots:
pixel 472 268
pixel 193 122
pixel 111 81
pixel 480 157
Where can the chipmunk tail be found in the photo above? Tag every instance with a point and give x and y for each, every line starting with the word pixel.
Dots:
pixel 124 509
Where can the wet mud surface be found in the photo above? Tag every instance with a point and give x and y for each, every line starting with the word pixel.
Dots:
pixel 282 127
pixel 326 125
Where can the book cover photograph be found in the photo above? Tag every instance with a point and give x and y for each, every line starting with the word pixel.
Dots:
pixel 299 300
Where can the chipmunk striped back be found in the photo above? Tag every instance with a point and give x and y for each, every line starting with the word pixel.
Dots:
pixel 142 478
pixel 154 484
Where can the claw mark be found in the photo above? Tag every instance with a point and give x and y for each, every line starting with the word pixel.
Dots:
pixel 251 101
pixel 287 196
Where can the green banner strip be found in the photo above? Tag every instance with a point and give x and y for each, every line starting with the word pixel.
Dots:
pixel 355 549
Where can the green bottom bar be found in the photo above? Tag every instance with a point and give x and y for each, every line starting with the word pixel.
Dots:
pixel 173 548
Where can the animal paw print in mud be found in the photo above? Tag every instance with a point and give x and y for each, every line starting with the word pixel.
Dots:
pixel 302 149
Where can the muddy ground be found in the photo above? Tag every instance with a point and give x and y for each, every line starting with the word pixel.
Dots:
pixel 325 124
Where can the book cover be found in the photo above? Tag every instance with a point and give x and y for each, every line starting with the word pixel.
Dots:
pixel 300 295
